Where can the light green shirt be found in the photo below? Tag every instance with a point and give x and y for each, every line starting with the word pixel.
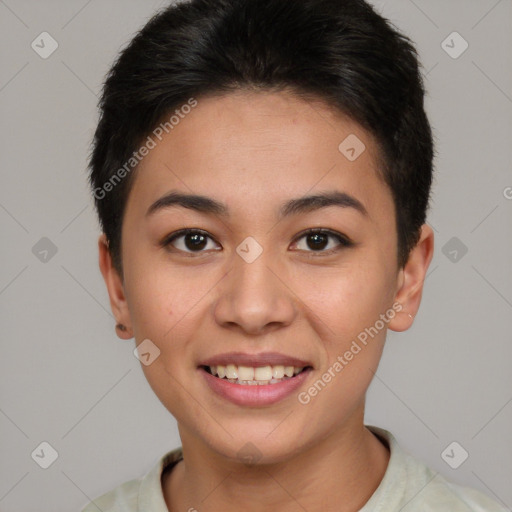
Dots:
pixel 408 486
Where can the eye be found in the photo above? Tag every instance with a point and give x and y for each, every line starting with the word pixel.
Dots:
pixel 318 241
pixel 188 240
pixel 197 241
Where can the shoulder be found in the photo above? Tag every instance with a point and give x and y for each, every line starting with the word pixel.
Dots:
pixel 121 499
pixel 411 486
pixel 441 494
pixel 143 493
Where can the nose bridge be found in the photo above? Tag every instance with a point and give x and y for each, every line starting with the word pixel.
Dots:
pixel 254 283
pixel 253 296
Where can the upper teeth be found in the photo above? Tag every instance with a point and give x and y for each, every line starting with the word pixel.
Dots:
pixel 260 373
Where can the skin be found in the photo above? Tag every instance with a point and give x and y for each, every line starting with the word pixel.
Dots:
pixel 254 151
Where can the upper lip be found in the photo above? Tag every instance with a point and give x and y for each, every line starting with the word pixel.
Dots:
pixel 254 360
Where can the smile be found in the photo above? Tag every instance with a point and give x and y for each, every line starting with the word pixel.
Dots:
pixel 263 389
pixel 254 376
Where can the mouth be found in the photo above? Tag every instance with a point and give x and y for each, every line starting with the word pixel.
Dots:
pixel 254 375
pixel 254 380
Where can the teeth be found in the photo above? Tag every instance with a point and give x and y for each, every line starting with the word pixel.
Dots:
pixel 262 373
pixel 278 372
pixel 245 373
pixel 253 376
pixel 231 371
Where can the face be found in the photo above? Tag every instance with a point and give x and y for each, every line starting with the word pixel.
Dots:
pixel 248 279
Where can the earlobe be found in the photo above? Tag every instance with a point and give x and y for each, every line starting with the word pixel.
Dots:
pixel 411 280
pixel 115 289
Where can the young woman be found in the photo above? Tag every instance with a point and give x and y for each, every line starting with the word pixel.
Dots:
pixel 262 171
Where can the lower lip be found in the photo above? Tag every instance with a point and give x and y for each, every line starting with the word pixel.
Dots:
pixel 264 394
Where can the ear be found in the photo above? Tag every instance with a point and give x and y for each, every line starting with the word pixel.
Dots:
pixel 115 289
pixel 411 278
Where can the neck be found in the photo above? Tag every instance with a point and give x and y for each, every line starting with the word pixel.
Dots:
pixel 339 473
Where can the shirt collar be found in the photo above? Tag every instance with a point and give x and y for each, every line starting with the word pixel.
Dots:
pixel 151 496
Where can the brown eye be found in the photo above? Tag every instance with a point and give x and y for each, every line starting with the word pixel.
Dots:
pixel 322 241
pixel 189 241
pixel 317 241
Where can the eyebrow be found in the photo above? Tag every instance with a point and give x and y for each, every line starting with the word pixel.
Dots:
pixel 304 204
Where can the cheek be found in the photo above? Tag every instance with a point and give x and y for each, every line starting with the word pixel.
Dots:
pixel 160 296
pixel 345 308
pixel 165 307
pixel 345 299
pixel 151 309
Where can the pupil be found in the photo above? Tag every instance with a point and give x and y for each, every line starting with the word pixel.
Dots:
pixel 197 241
pixel 316 237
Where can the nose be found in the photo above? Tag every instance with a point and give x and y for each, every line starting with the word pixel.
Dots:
pixel 254 297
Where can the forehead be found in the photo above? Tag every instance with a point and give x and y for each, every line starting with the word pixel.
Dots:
pixel 254 150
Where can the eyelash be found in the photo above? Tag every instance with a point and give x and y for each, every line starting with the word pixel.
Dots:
pixel 344 242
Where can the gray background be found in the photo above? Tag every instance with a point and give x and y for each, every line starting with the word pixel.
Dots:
pixel 68 380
